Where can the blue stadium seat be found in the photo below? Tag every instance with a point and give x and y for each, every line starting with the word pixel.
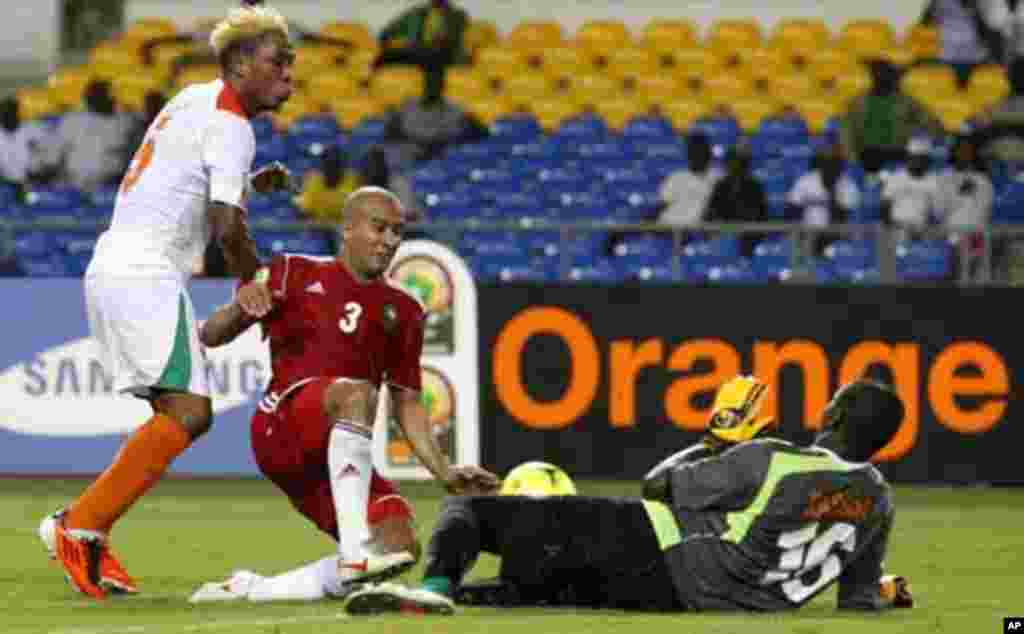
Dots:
pixel 851 255
pixel 519 128
pixel 592 269
pixel 325 126
pixel 549 243
pixel 583 128
pixel 52 265
pixel 34 244
pixel 609 150
pixel 305 242
pixel 475 154
pixel 737 271
pixel 8 195
pixel 262 127
pixel 55 200
pixel 657 246
pixel 451 205
pixel 924 260
pixel 722 132
pixel 640 268
pixel 1008 206
pixel 494 177
pixel 371 128
pixel 104 196
pixel 773 251
pixel 272 149
pixel 857 275
pixel 563 179
pixel 700 256
pixel 515 205
pixel 491 243
pixel 650 128
pixel 511 269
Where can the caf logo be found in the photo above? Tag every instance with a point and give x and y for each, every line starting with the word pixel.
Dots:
pixel 439 398
pixel 426 278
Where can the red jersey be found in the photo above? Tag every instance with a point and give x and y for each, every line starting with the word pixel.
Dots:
pixel 325 322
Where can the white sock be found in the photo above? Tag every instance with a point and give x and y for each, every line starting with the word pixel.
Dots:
pixel 311 582
pixel 350 464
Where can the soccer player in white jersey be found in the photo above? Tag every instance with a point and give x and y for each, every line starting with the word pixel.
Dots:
pixel 186 185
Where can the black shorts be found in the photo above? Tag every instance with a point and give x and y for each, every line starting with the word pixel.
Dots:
pixel 575 550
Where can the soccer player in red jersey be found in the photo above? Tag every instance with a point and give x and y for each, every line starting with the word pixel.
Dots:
pixel 338 330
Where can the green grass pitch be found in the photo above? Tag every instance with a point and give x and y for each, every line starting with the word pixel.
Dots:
pixel 963 550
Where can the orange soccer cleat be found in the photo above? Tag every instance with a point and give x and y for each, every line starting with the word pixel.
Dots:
pixel 79 553
pixel 113 577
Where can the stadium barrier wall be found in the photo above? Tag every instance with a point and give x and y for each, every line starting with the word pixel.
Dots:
pixel 607 383
pixel 59 416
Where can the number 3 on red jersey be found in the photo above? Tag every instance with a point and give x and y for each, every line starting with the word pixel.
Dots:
pixel 349 323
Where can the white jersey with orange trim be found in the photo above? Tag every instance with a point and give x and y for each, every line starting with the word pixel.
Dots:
pixel 198 150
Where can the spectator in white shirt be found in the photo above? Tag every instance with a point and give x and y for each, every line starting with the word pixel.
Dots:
pixel 23 146
pixel 910 194
pixel 824 195
pixel 685 192
pixel 972 31
pixel 92 143
pixel 965 203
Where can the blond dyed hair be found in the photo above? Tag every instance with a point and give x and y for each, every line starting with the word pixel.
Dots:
pixel 244 23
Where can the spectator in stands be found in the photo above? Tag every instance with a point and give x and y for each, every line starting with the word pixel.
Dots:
pixel 972 31
pixel 825 195
pixel 910 194
pixel 152 104
pixel 23 146
pixel 324 190
pixel 422 128
pixel 429 36
pixel 91 143
pixel 685 193
pixel 965 203
pixel 738 197
pixel 378 173
pixel 878 125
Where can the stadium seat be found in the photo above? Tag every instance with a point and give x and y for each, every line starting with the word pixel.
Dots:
pixel 52 265
pixel 590 89
pixel 700 256
pixel 583 128
pixel 988 85
pixel 526 88
pixel 501 61
pixel 465 83
pixel 954 112
pixel 395 84
pixel 850 256
pixel 930 82
pixel 684 113
pixel 560 62
pixel 830 63
pixel 924 260
pixel 650 245
pixel 649 129
pixel 852 83
pixel 306 242
pixel 723 88
pixel 515 268
pixel 791 88
pixel 357 34
pixel 450 205
pixel 692 65
pixel 632 61
pixel 551 112
pixel 54 200
pixel 603 36
pixel 620 111
pixel 666 35
pixel 752 111
pixel 722 132
pixel 657 88
pixel 490 109
pixel 803 38
pixel 818 111
pixel 644 269
pixel 925 42
pixel 731 35
pixel 479 34
pixel 491 243
pixel 36 103
pixel 738 271
pixel 519 128
pixel 534 34
pixel 864 38
pixel 765 63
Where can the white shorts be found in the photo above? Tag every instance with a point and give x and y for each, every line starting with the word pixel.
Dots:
pixel 147 335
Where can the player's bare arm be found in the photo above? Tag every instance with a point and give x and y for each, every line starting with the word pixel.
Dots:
pixel 414 419
pixel 231 231
pixel 225 325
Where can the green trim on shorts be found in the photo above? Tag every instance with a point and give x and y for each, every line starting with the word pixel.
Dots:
pixel 664 524
pixel 178 371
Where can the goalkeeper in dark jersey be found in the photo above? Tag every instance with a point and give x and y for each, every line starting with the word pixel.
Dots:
pixel 738 522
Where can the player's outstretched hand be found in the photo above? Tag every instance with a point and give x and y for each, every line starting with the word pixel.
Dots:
pixel 470 480
pixel 272 178
pixel 254 299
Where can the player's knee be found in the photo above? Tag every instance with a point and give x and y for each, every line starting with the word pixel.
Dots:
pixel 354 401
pixel 194 413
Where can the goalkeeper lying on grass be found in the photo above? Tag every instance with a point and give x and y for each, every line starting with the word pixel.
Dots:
pixel 740 522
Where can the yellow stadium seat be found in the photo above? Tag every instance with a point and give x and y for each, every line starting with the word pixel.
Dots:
pixel 66 85
pixel 590 89
pixel 685 112
pixel 729 36
pixel 897 55
pixel 295 108
pixel 988 85
pixel 561 61
pixel 350 111
pixel 925 82
pixel 333 85
pixel 658 88
pixel 480 34
pixel 355 32
pixel 149 28
pixel 535 34
pixel 750 112
pixel 165 55
pixel 115 54
pixel 34 103
pixel 866 38
pixel 669 35
pixel 693 65
pixel 393 85
pixel 603 36
pixel 130 90
pixel 766 62
pixel 619 111
pixel 632 61
pixel 830 63
pixel 722 88
pixel 550 113
pixel 925 42
pixel 817 111
pixel 953 112
pixel 526 87
pixel 311 61
pixel 359 66
pixel 801 37
pixel 791 87
pixel 501 61
pixel 196 75
pixel 465 83
pixel 490 109
pixel 852 83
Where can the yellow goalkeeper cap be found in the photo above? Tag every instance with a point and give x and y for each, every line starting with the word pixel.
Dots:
pixel 734 414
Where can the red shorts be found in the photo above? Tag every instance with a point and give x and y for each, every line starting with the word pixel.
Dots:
pixel 290 447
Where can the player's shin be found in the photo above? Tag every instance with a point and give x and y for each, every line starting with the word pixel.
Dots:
pixel 349 461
